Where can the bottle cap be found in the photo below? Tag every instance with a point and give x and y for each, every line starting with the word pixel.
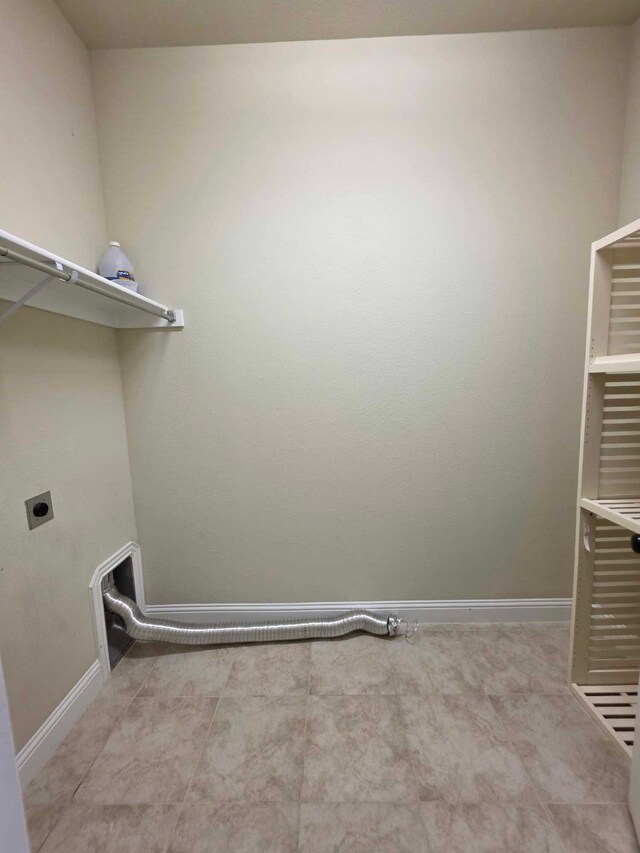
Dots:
pixel 113 243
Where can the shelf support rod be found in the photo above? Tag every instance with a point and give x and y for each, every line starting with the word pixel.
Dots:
pixel 58 272
pixel 31 293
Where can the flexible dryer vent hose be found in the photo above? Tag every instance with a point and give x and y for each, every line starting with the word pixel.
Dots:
pixel 141 627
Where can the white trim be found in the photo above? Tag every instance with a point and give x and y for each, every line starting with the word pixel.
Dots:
pixel 480 610
pixel 131 549
pixel 37 751
pixel 14 827
pixel 615 236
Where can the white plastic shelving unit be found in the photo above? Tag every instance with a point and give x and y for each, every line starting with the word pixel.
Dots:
pixel 54 284
pixel 606 604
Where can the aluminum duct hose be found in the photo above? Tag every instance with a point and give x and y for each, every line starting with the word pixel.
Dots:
pixel 140 627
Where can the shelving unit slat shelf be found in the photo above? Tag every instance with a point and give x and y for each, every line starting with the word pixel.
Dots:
pixel 625 513
pixel 605 661
pixel 615 363
pixel 77 292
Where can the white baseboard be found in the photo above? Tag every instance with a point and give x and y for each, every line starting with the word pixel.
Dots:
pixel 37 751
pixel 489 610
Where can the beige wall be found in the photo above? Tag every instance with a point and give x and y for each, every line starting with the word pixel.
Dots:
pixel 61 410
pixel 382 250
pixel 630 181
pixel 51 191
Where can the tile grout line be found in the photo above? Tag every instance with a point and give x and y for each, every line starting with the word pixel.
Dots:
pixel 513 750
pixel 552 823
pixel 587 803
pixel 412 764
pixel 394 680
pixel 68 802
pixel 206 737
pixel 63 809
pixel 405 727
pixel 144 680
pixel 124 711
pixel 304 743
pixel 171 837
pixel 228 650
pixel 102 748
pixel 172 834
pixel 204 745
pixel 405 731
pixel 534 788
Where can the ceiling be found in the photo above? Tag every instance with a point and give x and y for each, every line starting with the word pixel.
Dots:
pixel 163 23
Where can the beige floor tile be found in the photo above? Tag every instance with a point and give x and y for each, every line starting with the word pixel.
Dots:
pixel 489 828
pixel 437 661
pixel 515 659
pixel 145 649
pixel 595 828
pixel 276 669
pixel 550 647
pixel 356 750
pixel 354 665
pixel 361 828
pixel 253 752
pixel 151 754
pixel 553 642
pixel 142 649
pixel 64 771
pixel 241 827
pixel 128 675
pixel 191 672
pixel 561 631
pixel 113 829
pixel 40 821
pixel 568 758
pixel 461 753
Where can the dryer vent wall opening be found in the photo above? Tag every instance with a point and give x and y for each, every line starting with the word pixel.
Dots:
pixel 118 640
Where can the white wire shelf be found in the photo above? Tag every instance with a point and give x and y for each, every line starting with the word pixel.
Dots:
pixel 74 291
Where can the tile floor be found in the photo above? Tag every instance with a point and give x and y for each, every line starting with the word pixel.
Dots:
pixel 466 740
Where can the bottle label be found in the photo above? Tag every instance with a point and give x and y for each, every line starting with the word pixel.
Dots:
pixel 124 274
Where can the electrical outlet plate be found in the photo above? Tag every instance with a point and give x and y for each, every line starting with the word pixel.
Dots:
pixel 39 510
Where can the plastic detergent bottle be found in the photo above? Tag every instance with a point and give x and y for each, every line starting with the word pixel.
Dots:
pixel 116 266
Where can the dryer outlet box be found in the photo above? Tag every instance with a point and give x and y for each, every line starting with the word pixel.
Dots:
pixel 39 510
